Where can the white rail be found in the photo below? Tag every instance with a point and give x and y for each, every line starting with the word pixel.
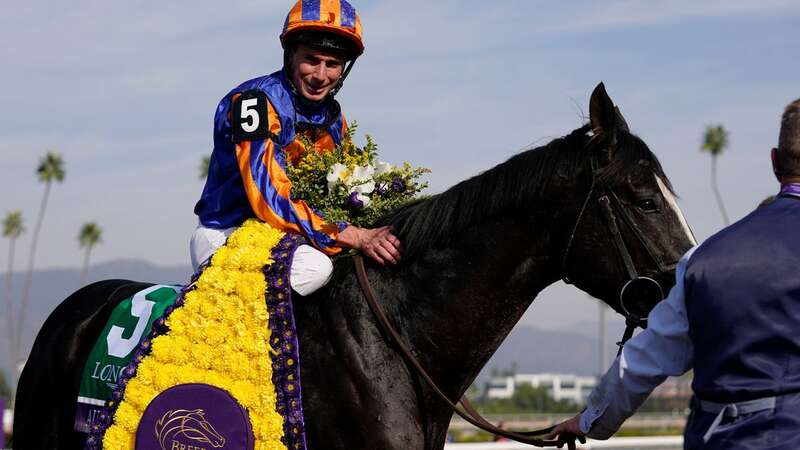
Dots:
pixel 621 443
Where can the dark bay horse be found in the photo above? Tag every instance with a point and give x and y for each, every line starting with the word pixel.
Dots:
pixel 475 258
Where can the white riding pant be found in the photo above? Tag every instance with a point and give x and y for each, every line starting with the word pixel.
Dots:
pixel 311 269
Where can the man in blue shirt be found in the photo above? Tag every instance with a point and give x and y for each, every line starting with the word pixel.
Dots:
pixel 733 317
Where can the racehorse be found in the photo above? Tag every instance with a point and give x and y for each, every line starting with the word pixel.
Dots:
pixel 593 208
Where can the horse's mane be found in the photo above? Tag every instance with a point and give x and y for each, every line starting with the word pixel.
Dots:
pixel 515 184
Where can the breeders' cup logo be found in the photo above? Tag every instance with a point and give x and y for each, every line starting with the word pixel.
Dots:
pixel 194 416
pixel 186 425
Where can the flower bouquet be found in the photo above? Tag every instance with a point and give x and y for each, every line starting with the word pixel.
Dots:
pixel 350 184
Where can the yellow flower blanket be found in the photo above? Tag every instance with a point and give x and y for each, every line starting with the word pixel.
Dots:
pixel 223 333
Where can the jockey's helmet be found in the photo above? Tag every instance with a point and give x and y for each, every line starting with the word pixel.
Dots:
pixel 332 24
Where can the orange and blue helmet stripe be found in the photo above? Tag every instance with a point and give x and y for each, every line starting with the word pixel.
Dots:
pixel 335 16
pixel 311 10
pixel 348 16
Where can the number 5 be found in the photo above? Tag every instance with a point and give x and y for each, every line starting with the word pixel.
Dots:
pixel 250 115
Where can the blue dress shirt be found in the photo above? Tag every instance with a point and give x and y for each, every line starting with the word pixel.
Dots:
pixel 663 349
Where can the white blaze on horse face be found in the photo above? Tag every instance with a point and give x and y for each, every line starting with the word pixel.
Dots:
pixel 674 205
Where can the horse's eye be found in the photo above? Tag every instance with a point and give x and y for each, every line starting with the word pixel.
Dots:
pixel 647 205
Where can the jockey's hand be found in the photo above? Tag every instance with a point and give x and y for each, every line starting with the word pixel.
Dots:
pixel 377 243
pixel 566 432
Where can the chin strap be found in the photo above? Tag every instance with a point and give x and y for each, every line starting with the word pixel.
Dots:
pixel 340 83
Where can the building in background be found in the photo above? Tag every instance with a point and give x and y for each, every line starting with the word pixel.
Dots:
pixel 671 395
pixel 558 386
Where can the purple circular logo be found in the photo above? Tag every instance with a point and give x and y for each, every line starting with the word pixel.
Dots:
pixel 194 417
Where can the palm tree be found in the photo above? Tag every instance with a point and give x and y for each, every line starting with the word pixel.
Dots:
pixel 12 229
pixel 715 140
pixel 50 169
pixel 89 236
pixel 205 162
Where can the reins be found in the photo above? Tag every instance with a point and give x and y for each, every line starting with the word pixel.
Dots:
pixel 469 413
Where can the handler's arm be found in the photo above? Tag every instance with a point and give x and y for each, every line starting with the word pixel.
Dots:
pixel 663 349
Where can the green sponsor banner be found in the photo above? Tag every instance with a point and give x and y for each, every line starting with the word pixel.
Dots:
pixel 130 322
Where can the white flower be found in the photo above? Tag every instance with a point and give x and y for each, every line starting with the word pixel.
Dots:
pixel 364 188
pixel 362 181
pixel 338 174
pixel 362 174
pixel 382 168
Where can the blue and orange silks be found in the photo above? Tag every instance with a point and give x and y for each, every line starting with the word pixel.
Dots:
pixel 248 179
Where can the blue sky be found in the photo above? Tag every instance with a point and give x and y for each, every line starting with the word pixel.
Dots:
pixel 126 93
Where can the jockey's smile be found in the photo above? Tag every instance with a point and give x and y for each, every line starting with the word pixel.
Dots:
pixel 315 71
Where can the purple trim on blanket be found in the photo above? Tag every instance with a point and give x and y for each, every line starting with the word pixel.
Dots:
pixel 104 420
pixel 286 359
pixel 285 374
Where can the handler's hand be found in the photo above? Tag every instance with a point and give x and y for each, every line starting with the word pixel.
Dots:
pixel 566 433
pixel 377 243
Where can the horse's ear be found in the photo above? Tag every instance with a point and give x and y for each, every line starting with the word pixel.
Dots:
pixel 622 124
pixel 602 113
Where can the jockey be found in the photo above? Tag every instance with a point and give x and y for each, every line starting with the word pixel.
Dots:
pixel 733 317
pixel 257 128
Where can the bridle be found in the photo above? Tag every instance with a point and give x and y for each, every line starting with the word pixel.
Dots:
pixel 608 201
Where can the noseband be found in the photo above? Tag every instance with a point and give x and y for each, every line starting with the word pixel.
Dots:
pixel 636 286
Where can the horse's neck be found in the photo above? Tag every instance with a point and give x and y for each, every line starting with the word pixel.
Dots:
pixel 452 305
pixel 465 300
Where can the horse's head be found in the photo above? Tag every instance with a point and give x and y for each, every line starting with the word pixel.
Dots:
pixel 196 427
pixel 593 207
pixel 626 232
pixel 188 424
